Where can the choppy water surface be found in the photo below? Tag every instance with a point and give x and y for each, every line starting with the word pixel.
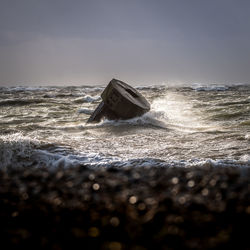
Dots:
pixel 193 125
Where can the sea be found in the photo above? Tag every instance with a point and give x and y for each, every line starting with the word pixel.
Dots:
pixel 188 125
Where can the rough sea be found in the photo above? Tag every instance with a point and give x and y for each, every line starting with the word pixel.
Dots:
pixel 196 125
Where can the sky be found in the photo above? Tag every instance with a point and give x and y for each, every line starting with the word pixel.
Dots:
pixel 79 42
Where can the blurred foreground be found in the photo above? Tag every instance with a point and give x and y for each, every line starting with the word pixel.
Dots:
pixel 125 208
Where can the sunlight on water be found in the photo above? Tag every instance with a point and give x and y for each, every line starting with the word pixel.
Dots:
pixel 47 127
pixel 177 111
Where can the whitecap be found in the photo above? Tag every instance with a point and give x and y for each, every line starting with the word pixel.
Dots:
pixel 87 99
pixel 245 158
pixel 209 87
pixel 17 150
pixel 14 147
pixel 23 88
pixel 247 136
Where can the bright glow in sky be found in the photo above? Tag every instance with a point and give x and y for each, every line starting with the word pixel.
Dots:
pixel 138 41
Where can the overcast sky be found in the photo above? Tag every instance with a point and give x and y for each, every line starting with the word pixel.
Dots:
pixel 138 41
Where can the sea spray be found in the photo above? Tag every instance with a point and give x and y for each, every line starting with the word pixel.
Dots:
pixel 202 125
pixel 16 149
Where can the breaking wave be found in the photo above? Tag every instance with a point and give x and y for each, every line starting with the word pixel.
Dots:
pixel 199 87
pixel 171 111
pixel 185 127
pixel 17 150
pixel 87 99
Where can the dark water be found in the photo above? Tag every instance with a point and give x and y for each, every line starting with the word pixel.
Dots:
pixel 188 125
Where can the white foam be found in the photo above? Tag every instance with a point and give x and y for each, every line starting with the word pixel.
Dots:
pixel 245 158
pixel 17 150
pixel 209 87
pixel 145 120
pixel 152 87
pixel 87 99
pixel 176 111
pixel 53 160
pixel 15 146
pixel 151 162
pixel 93 89
pixel 67 159
pixel 172 111
pixel 22 88
pixel 242 163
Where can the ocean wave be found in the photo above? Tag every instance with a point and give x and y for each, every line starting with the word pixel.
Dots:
pixel 91 89
pixel 19 102
pixel 31 89
pixel 172 111
pixel 52 161
pixel 149 119
pixel 152 87
pixel 17 150
pixel 209 87
pixel 247 136
pixel 219 87
pixel 85 111
pixel 87 99
pixel 230 115
pixel 245 158
pixel 245 123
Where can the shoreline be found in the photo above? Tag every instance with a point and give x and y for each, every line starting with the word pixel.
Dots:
pixel 125 208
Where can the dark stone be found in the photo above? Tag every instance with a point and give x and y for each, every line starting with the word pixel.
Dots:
pixel 120 101
pixel 60 209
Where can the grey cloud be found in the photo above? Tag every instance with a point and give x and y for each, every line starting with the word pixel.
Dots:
pixel 48 41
